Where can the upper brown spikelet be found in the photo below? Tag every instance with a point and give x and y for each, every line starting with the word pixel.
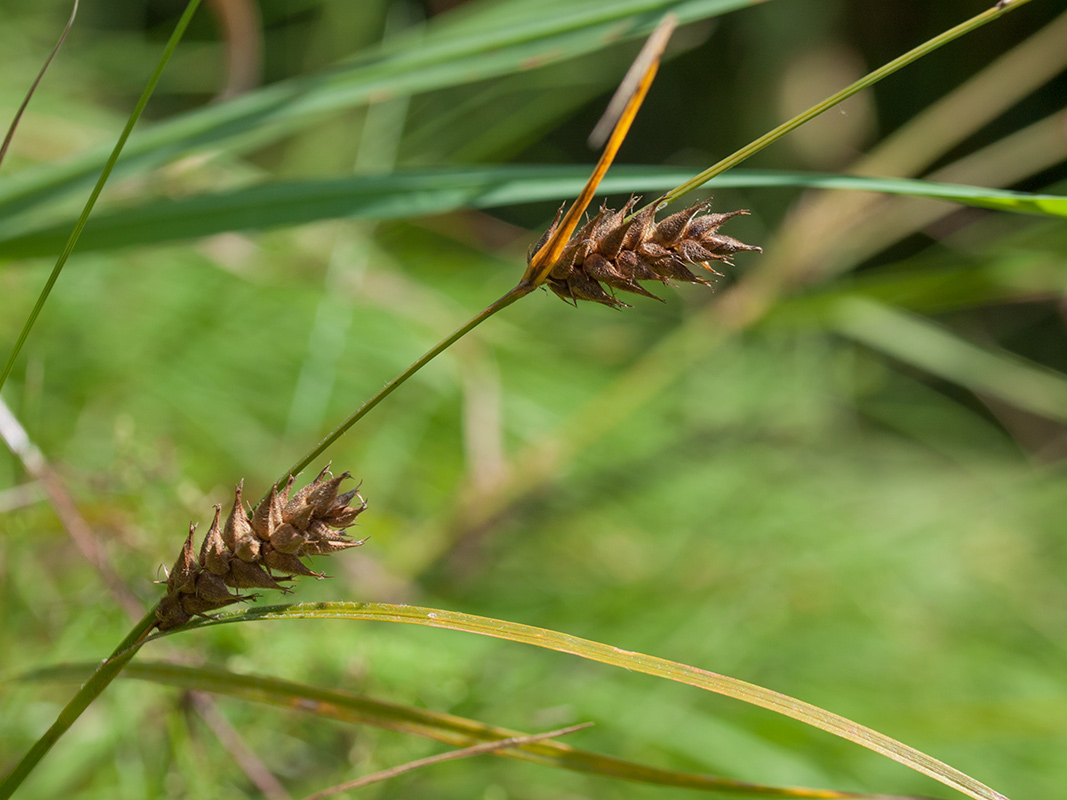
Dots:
pixel 248 548
pixel 618 252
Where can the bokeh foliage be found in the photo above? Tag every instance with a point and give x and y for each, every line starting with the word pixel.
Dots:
pixel 834 497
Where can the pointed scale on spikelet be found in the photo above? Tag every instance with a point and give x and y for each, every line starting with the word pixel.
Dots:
pixel 615 250
pixel 246 550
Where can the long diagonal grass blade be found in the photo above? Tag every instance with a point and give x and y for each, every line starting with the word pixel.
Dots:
pixel 349 707
pixel 493 40
pixel 416 193
pixel 634 662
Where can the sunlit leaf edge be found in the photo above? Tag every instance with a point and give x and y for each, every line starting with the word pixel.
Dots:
pixel 626 659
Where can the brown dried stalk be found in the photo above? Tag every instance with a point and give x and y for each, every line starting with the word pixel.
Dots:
pixel 251 546
pixel 618 250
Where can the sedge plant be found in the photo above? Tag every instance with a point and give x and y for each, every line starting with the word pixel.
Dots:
pixel 593 260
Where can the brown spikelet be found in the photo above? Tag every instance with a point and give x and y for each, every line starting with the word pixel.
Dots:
pixel 245 551
pixel 613 251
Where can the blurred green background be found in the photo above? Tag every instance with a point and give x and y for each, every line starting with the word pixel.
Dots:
pixel 840 475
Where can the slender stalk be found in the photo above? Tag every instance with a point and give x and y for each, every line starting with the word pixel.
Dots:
pixel 36 82
pixel 521 290
pixel 127 649
pixel 870 79
pixel 466 752
pixel 98 681
pixel 75 234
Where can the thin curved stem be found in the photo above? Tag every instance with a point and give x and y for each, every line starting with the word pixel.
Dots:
pixel 98 681
pixel 36 82
pixel 75 234
pixel 870 79
pixel 521 290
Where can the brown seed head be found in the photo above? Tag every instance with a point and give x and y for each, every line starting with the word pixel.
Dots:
pixel 245 551
pixel 616 251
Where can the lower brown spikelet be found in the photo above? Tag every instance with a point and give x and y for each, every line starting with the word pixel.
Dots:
pixel 618 252
pixel 248 549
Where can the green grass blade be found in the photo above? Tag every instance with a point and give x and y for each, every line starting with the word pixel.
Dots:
pixel 420 192
pixel 103 674
pixel 448 728
pixel 108 166
pixel 925 344
pixel 634 662
pixel 929 287
pixel 978 196
pixel 495 40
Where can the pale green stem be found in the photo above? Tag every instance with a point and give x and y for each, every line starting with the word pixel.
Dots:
pixel 868 80
pixel 519 291
pixel 98 681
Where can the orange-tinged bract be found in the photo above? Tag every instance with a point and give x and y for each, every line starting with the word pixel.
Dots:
pixel 246 551
pixel 618 252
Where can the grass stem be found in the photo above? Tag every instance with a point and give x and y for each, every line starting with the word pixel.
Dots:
pixel 89 691
pixel 523 289
pixel 867 80
pixel 42 298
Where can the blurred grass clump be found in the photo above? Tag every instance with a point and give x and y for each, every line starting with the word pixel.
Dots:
pixel 840 476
